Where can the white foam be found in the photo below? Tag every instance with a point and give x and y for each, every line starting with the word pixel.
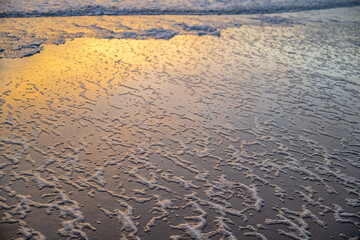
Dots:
pixel 124 217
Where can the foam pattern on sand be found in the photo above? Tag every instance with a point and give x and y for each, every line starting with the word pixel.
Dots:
pixel 252 134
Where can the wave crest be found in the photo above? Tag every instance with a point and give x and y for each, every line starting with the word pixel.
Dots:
pixel 43 8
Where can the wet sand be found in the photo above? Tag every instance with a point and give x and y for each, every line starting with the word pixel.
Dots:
pixel 250 133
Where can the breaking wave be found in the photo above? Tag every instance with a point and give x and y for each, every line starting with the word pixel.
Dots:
pixel 42 8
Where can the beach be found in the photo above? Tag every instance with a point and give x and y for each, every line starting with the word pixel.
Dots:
pixel 242 126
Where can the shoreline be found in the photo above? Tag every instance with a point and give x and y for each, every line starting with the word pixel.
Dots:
pixel 21 39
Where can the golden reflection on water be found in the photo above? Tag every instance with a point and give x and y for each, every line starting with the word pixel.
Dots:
pixel 62 69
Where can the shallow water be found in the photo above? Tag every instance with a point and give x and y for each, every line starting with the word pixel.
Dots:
pixel 251 133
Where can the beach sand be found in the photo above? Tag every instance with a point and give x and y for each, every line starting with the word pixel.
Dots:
pixel 250 130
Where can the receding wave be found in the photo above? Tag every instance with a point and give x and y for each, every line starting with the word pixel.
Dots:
pixel 42 8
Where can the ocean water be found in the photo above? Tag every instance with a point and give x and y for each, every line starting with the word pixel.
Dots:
pixel 28 8
pixel 225 126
